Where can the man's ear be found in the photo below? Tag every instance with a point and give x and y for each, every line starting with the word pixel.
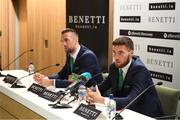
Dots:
pixel 132 52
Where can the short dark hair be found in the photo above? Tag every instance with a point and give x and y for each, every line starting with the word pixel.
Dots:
pixel 69 30
pixel 124 41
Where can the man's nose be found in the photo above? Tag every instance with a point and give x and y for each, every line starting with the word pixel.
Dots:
pixel 115 56
pixel 64 43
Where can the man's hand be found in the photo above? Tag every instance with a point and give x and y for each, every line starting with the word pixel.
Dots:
pixel 38 76
pixel 43 80
pixel 94 97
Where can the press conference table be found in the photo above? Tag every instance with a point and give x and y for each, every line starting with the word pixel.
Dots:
pixel 18 103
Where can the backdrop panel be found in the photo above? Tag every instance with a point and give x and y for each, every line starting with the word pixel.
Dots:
pixel 90 19
pixel 154 27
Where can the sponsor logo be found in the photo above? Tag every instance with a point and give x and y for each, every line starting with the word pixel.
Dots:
pixel 133 19
pixel 171 35
pixel 162 6
pixel 87 22
pixel 140 33
pixel 151 34
pixel 161 50
pixel 161 76
pixel 160 63
pixel 162 19
pixel 130 7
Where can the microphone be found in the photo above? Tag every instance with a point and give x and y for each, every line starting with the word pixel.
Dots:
pixel 89 82
pixel 59 104
pixel 86 76
pixel 118 116
pixel 73 90
pixel 14 84
pixel 30 50
pixel 83 77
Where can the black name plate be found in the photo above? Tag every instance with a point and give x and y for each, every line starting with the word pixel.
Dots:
pixel 87 112
pixel 49 95
pixel 35 88
pixel 9 79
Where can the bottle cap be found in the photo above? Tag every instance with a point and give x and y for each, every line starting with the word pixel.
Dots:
pixel 111 96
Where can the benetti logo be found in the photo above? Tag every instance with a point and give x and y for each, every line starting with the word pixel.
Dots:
pixel 161 19
pixel 137 47
pixel 159 63
pixel 89 22
pixel 162 6
pixel 130 7
pixel 133 19
pixel 87 19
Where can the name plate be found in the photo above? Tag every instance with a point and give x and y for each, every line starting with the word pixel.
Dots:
pixel 49 95
pixel 87 112
pixel 35 88
pixel 9 79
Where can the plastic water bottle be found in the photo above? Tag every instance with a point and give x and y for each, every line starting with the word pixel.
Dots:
pixel 31 68
pixel 111 108
pixel 82 94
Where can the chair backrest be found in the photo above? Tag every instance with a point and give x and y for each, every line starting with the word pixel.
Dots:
pixel 169 99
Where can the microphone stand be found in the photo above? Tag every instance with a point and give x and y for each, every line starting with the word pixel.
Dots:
pixel 30 50
pixel 75 98
pixel 118 116
pixel 1 75
pixel 14 85
pixel 59 104
pixel 73 90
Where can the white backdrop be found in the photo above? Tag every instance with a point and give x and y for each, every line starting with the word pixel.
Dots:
pixel 154 26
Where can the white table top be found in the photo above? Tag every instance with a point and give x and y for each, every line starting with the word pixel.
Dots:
pixel 40 105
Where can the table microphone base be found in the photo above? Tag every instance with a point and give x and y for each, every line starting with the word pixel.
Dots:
pixel 62 105
pixel 118 117
pixel 17 86
pixel 1 75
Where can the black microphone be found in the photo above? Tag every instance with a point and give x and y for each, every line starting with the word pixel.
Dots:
pixel 118 116
pixel 89 83
pixel 83 77
pixel 14 84
pixel 73 87
pixel 30 50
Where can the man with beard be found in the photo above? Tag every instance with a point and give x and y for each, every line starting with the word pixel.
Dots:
pixel 127 78
pixel 79 59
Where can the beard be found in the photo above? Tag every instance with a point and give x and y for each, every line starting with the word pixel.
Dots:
pixel 68 50
pixel 121 65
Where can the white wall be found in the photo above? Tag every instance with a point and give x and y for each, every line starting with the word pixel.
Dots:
pixel 156 34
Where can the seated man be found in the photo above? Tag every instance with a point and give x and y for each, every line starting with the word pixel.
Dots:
pixel 127 78
pixel 79 59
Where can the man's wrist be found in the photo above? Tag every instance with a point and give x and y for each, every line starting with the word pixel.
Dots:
pixel 53 82
pixel 102 100
pixel 106 100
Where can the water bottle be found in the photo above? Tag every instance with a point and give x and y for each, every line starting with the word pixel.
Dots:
pixel 111 108
pixel 82 94
pixel 31 68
